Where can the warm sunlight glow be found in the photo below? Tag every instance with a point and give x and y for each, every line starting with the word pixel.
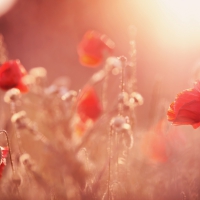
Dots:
pixel 179 22
pixel 5 5
pixel 187 11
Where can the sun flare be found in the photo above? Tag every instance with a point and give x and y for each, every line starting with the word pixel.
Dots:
pixel 184 10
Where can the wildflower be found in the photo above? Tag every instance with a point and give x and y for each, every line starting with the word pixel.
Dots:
pixel 89 106
pixel 3 154
pixel 91 48
pixel 185 110
pixel 11 74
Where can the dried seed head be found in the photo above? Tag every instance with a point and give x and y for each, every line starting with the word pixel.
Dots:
pixel 117 123
pixel 38 72
pixel 69 96
pixel 123 59
pixel 25 159
pixel 12 95
pixel 19 119
pixel 136 99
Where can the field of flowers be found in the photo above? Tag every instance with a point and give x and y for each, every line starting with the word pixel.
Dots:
pixel 57 143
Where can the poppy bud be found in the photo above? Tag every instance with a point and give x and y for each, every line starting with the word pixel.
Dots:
pixel 4 153
pixel 11 74
pixel 91 48
pixel 89 105
pixel 19 119
pixel 12 95
pixel 136 99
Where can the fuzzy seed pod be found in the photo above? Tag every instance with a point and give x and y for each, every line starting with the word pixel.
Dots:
pixel 69 96
pixel 12 95
pixel 19 119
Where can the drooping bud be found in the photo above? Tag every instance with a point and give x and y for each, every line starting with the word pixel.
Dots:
pixel 12 95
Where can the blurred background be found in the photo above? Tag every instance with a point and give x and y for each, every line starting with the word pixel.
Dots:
pixel 46 33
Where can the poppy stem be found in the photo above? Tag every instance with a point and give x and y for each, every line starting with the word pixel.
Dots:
pixel 123 60
pixel 11 160
pixel 17 132
pixel 133 53
pixel 104 89
pixel 9 149
pixel 109 162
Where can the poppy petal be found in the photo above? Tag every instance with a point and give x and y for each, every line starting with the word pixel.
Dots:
pixel 185 110
pixel 92 47
pixel 89 105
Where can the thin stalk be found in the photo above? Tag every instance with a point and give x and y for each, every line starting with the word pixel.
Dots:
pixel 104 88
pixel 9 149
pixel 109 161
pixel 117 154
pixel 123 59
pixel 10 156
pixel 133 54
pixel 17 132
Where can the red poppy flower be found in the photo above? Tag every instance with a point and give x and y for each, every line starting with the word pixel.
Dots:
pixel 185 110
pixel 91 48
pixel 11 74
pixel 89 106
pixel 4 153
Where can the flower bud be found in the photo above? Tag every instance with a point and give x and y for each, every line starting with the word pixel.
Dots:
pixel 69 96
pixel 12 95
pixel 19 119
pixel 136 99
pixel 117 123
